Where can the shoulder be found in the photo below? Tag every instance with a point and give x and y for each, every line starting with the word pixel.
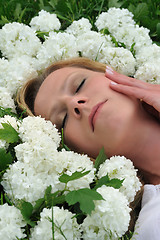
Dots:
pixel 148 223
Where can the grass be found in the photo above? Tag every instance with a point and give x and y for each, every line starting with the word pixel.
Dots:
pixel 146 12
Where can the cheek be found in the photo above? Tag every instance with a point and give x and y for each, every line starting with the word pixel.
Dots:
pixel 79 140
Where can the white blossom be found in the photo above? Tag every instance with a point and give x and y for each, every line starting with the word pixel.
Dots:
pixel 77 28
pixel 63 219
pixel 110 218
pixel 91 44
pixel 40 164
pixel 14 73
pixel 6 100
pixel 34 129
pixel 11 223
pixel 122 168
pixel 149 72
pixel 45 22
pixel 120 24
pixel 120 59
pixel 18 39
pixel 56 47
pixel 38 167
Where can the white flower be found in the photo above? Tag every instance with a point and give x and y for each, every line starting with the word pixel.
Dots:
pixel 45 22
pixel 72 162
pixel 34 129
pixel 14 73
pixel 56 47
pixel 121 25
pixel 79 27
pixel 18 39
pixel 115 17
pixel 31 183
pixel 40 164
pixel 91 44
pixel 11 223
pixel 6 101
pixel 150 53
pixel 120 59
pixel 149 71
pixel 122 168
pixel 63 219
pixel 111 216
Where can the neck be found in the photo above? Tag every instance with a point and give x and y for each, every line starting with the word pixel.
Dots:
pixel 145 150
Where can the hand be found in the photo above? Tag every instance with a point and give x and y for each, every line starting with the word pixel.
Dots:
pixel 146 92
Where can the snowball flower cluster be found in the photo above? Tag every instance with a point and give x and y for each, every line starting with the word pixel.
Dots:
pixel 122 168
pixel 35 128
pixel 77 28
pixel 45 22
pixel 18 39
pixel 40 164
pixel 56 47
pixel 6 100
pixel 110 218
pixel 120 24
pixel 65 226
pixel 11 223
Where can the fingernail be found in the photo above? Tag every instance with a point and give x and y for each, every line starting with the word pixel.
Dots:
pixel 109 70
pixel 113 83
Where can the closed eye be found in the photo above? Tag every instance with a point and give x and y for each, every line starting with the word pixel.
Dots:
pixel 64 121
pixel 81 84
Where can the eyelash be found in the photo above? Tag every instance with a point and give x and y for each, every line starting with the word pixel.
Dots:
pixel 78 88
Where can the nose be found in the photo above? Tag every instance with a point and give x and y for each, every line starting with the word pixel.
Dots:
pixel 75 105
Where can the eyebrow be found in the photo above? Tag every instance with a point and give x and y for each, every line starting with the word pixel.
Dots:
pixel 67 80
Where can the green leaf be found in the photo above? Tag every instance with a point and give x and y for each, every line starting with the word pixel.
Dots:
pixel 17 11
pixel 52 199
pixel 158 29
pixel 102 181
pixel 76 175
pixel 141 11
pixel 8 133
pixel 6 111
pixel 26 209
pixel 85 198
pixel 62 7
pixel 114 3
pixel 115 182
pixel 5 159
pixel 100 158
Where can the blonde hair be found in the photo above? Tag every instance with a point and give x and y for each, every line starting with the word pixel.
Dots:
pixel 27 94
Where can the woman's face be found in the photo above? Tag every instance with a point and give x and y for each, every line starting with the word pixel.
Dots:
pixel 92 114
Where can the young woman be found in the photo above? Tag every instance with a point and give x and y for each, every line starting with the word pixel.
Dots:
pixel 98 107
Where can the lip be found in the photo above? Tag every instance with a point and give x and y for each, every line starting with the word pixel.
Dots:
pixel 94 111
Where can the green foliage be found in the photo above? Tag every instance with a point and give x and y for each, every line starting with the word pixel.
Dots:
pixel 6 111
pixel 115 182
pixel 85 197
pixel 100 159
pixel 8 133
pixel 26 209
pixel 76 175
pixel 5 159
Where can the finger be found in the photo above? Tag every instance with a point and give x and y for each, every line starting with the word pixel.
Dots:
pixel 122 79
pixel 150 97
